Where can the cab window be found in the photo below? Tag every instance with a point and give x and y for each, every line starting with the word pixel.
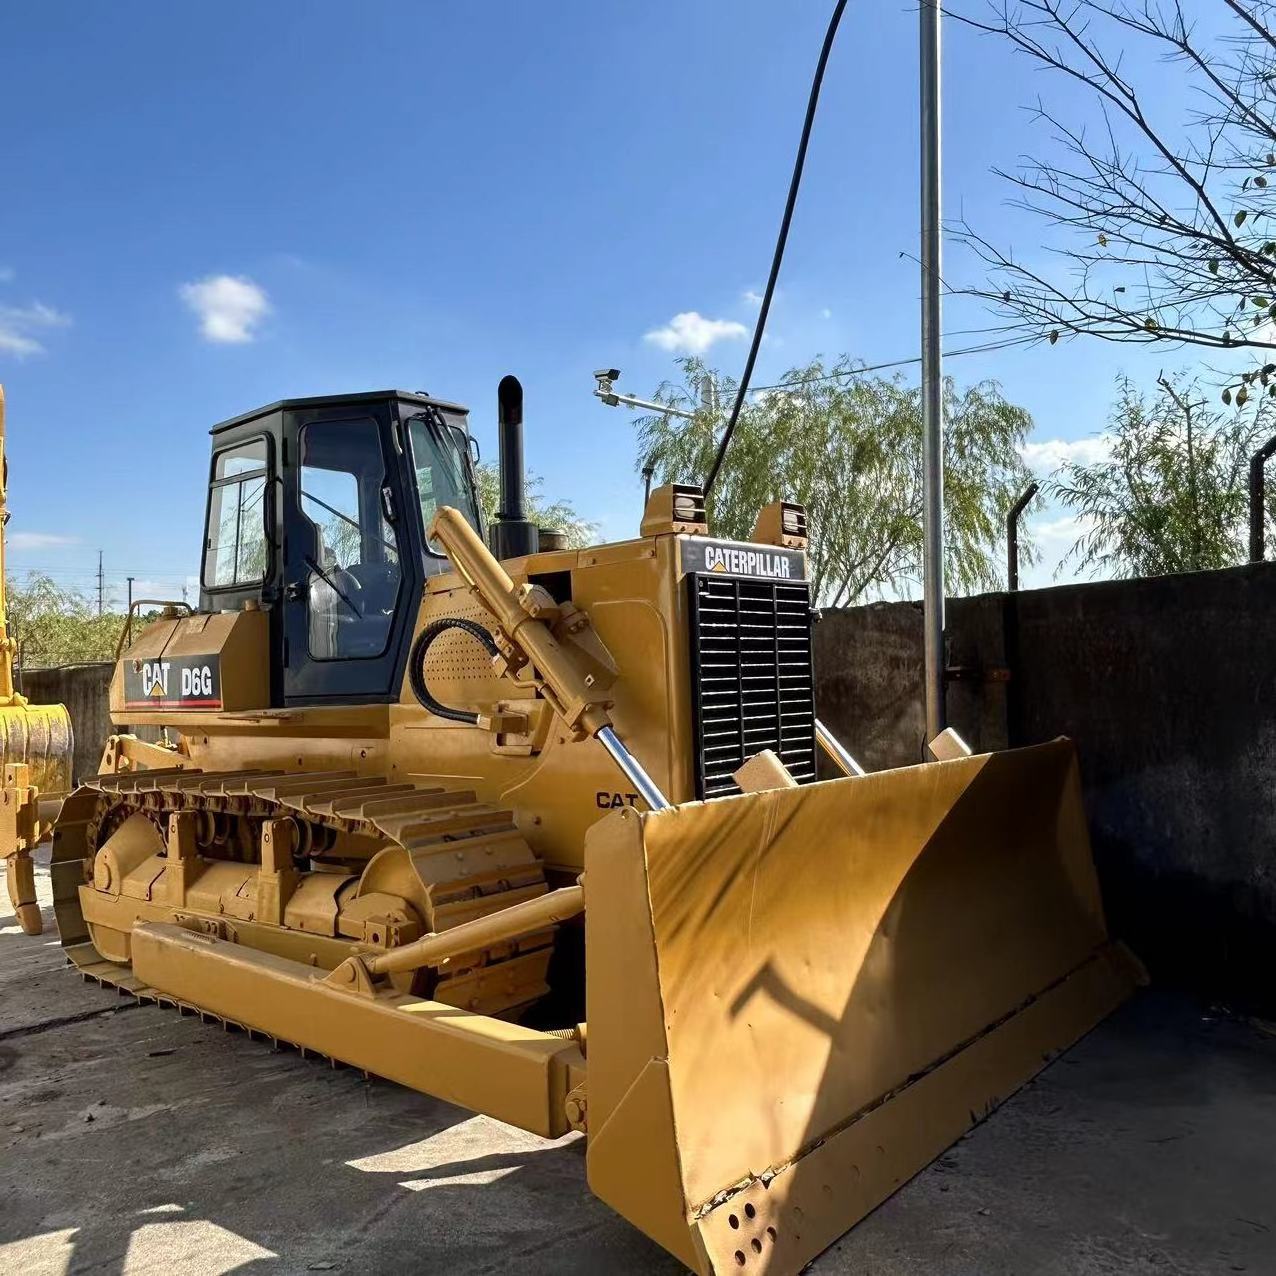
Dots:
pixel 236 548
pixel 441 463
pixel 349 547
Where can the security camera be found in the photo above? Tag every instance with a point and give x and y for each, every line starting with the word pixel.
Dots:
pixel 604 377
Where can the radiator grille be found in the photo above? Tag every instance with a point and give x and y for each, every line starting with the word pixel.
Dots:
pixel 752 686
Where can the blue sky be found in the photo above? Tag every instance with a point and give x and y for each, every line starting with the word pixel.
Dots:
pixel 207 208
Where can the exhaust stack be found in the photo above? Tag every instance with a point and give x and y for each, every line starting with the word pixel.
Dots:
pixel 513 535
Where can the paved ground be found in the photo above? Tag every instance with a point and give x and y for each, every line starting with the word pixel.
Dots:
pixel 134 1140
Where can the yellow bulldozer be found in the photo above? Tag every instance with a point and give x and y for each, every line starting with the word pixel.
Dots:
pixel 539 831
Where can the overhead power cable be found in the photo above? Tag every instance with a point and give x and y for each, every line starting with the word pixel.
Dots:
pixel 986 348
pixel 778 257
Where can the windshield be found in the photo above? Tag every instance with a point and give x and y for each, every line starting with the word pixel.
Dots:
pixel 444 475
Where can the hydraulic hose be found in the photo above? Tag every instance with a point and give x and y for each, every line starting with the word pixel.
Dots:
pixel 416 664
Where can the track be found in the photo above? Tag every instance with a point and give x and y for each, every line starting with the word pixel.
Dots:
pixel 462 858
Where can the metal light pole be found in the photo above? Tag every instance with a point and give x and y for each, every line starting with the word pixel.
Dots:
pixel 932 375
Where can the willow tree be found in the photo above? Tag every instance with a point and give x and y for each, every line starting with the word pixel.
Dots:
pixel 848 446
pixel 57 626
pixel 560 515
pixel 1172 494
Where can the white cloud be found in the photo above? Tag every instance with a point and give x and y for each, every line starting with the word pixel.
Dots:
pixel 229 307
pixel 19 323
pixel 1049 454
pixel 168 588
pixel 694 334
pixel 753 298
pixel 1063 530
pixel 826 313
pixel 40 540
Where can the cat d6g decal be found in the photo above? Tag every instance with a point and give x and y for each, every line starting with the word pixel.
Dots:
pixel 540 831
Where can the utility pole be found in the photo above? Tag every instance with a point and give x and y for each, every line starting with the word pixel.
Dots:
pixel 128 615
pixel 99 582
pixel 932 373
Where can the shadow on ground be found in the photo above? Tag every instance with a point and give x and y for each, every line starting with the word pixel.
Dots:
pixel 136 1140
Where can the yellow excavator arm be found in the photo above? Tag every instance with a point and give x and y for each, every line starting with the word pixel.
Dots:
pixel 36 747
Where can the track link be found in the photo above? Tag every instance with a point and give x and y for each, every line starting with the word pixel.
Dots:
pixel 464 858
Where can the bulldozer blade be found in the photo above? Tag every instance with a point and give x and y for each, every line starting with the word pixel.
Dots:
pixel 798 998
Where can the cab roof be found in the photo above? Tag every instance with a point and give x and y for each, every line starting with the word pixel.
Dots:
pixel 330 400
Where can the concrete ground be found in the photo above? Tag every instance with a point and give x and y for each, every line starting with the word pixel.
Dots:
pixel 135 1140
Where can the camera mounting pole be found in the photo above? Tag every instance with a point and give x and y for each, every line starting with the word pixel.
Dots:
pixel 605 392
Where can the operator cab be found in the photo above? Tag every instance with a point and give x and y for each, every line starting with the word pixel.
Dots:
pixel 317 510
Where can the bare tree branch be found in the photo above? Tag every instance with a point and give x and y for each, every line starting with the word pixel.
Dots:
pixel 1168 231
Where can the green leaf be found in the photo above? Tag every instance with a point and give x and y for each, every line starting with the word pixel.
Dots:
pixel 1260 180
pixel 1213 263
pixel 1239 219
pixel 1241 395
pixel 1227 397
pixel 1054 335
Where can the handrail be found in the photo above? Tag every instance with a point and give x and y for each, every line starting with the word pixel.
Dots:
pixel 170 608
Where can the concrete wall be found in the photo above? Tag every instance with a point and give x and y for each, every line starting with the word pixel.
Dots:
pixel 83 689
pixel 1168 686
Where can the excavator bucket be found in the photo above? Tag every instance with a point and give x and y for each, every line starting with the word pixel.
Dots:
pixel 798 998
pixel 36 743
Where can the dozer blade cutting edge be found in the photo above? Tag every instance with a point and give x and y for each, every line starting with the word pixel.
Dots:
pixel 798 998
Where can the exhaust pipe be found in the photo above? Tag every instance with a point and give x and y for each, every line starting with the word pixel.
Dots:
pixel 513 535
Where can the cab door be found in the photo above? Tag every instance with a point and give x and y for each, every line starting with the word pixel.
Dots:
pixel 352 576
